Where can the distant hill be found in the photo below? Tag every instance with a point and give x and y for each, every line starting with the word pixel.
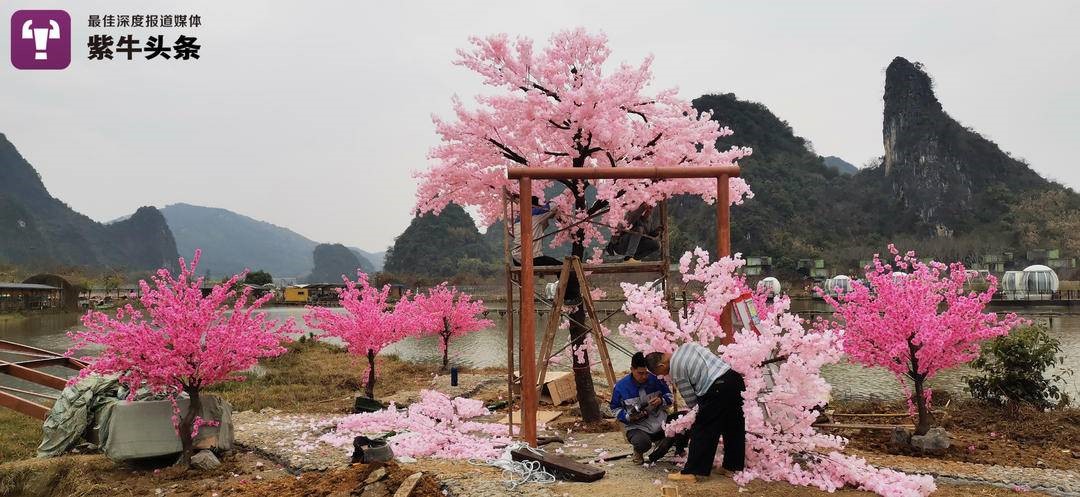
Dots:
pixel 946 175
pixel 841 165
pixel 794 211
pixel 232 242
pixel 375 258
pixel 940 188
pixel 332 261
pixel 443 246
pixel 39 231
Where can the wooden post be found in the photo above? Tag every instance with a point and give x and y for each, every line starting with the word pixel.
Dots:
pixel 508 212
pixel 527 325
pixel 723 244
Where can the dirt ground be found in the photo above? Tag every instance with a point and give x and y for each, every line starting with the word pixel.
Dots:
pixel 247 474
pixel 317 379
pixel 984 434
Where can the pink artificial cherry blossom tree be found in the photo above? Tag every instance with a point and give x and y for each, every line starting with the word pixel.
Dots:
pixel 915 324
pixel 182 340
pixel 449 313
pixel 561 107
pixel 370 322
pixel 780 363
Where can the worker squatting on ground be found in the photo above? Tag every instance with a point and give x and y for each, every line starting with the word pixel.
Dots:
pixel 704 380
pixel 640 402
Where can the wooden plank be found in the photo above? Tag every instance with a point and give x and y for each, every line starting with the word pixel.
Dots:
pixel 27 392
pixel 562 467
pixel 407 486
pixel 860 426
pixel 8 346
pixel 542 417
pixel 607 268
pixel 50 361
pixel 23 406
pixel 31 375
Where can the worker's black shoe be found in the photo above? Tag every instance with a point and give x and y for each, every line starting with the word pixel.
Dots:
pixel 661 449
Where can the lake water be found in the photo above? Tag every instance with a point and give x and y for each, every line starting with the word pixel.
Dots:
pixel 488 347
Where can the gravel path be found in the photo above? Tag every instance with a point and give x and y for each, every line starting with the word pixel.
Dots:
pixel 291 439
pixel 1053 481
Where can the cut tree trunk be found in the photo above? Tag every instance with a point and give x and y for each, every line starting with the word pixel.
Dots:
pixel 446 342
pixel 445 349
pixel 926 418
pixel 586 393
pixel 186 422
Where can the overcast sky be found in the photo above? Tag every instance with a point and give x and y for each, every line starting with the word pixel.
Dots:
pixel 312 115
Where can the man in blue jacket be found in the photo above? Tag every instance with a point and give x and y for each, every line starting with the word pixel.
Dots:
pixel 640 402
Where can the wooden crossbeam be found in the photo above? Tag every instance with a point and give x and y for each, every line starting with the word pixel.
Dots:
pixel 607 268
pixel 32 375
pixel 23 406
pixel 49 361
pixel 27 392
pixel 861 426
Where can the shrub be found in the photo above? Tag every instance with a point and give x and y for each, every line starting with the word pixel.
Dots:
pixel 1020 368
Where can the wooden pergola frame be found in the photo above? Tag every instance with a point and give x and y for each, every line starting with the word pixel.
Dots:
pixel 526 318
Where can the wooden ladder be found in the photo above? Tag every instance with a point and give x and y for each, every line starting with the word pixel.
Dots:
pixel 573 264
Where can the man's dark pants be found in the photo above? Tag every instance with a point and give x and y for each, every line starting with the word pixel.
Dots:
pixel 720 413
pixel 643 441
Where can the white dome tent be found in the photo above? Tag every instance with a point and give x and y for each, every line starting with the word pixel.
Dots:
pixel 771 284
pixel 1039 281
pixel 1011 285
pixel 838 284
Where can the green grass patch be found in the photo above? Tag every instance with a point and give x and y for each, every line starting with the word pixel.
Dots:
pixel 19 435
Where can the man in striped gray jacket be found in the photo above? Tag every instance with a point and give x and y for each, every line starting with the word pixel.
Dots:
pixel 706 381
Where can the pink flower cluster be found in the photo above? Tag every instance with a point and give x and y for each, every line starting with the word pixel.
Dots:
pixel 558 107
pixel 435 426
pixel 782 398
pixel 654 330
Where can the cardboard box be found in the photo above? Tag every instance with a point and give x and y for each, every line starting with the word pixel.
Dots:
pixel 559 387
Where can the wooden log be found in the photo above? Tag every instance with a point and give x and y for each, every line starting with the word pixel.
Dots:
pixel 861 426
pixel 562 467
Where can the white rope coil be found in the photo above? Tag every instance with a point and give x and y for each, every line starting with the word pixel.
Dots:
pixel 517 473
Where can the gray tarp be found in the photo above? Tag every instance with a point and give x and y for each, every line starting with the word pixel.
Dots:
pixel 133 430
pixel 73 411
pixel 126 429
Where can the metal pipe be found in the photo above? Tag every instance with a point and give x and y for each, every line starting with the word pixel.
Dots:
pixel 656 172
pixel 527 354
